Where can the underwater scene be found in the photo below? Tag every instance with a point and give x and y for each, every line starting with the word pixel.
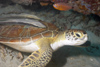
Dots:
pixel 49 33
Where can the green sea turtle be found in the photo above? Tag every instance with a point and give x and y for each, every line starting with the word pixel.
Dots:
pixel 37 37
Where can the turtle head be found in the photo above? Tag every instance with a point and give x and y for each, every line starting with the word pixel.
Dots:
pixel 75 37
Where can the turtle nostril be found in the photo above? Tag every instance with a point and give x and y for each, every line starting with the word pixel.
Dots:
pixel 84 32
pixel 72 33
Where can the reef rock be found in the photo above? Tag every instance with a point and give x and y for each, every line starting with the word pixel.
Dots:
pixel 82 6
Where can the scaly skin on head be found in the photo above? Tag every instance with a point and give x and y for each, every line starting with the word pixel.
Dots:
pixel 69 37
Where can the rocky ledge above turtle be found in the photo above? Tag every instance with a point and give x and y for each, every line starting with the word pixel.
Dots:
pixel 27 34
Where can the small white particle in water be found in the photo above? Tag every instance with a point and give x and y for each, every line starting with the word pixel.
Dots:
pixel 91 59
pixel 72 58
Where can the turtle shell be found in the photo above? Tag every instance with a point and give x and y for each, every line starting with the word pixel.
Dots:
pixel 18 32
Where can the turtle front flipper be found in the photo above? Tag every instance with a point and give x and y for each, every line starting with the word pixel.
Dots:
pixel 38 58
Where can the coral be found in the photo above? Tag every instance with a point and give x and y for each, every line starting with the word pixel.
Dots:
pixel 87 6
pixel 83 6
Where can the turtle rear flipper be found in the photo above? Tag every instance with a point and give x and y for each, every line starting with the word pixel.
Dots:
pixel 38 58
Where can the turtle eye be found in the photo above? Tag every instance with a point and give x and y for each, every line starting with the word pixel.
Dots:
pixel 78 35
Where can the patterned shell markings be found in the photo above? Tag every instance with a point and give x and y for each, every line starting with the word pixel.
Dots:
pixel 25 33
